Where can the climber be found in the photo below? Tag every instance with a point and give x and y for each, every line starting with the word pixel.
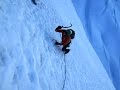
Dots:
pixel 67 35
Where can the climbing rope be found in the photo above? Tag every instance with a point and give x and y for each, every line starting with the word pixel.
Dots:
pixel 64 82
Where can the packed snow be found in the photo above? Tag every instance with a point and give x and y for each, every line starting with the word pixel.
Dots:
pixel 101 21
pixel 29 60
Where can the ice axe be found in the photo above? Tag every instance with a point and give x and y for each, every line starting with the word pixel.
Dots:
pixel 59 27
pixel 67 26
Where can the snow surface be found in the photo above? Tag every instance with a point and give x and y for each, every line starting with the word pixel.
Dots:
pixel 101 21
pixel 30 61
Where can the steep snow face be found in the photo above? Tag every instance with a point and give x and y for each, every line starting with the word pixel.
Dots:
pixel 101 20
pixel 29 60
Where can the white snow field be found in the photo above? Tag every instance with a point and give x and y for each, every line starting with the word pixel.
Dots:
pixel 101 21
pixel 29 60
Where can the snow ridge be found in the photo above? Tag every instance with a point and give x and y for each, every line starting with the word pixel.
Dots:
pixel 29 60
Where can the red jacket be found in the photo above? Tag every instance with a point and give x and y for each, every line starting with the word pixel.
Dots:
pixel 65 39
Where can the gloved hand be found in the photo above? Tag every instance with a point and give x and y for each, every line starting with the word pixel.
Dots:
pixel 59 27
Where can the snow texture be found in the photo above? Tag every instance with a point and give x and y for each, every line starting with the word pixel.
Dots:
pixel 101 21
pixel 29 60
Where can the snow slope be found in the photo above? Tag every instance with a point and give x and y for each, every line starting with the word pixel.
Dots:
pixel 101 20
pixel 30 61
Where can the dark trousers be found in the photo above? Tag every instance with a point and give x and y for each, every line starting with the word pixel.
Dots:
pixel 64 48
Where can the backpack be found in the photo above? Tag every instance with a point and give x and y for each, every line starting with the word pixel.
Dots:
pixel 70 32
